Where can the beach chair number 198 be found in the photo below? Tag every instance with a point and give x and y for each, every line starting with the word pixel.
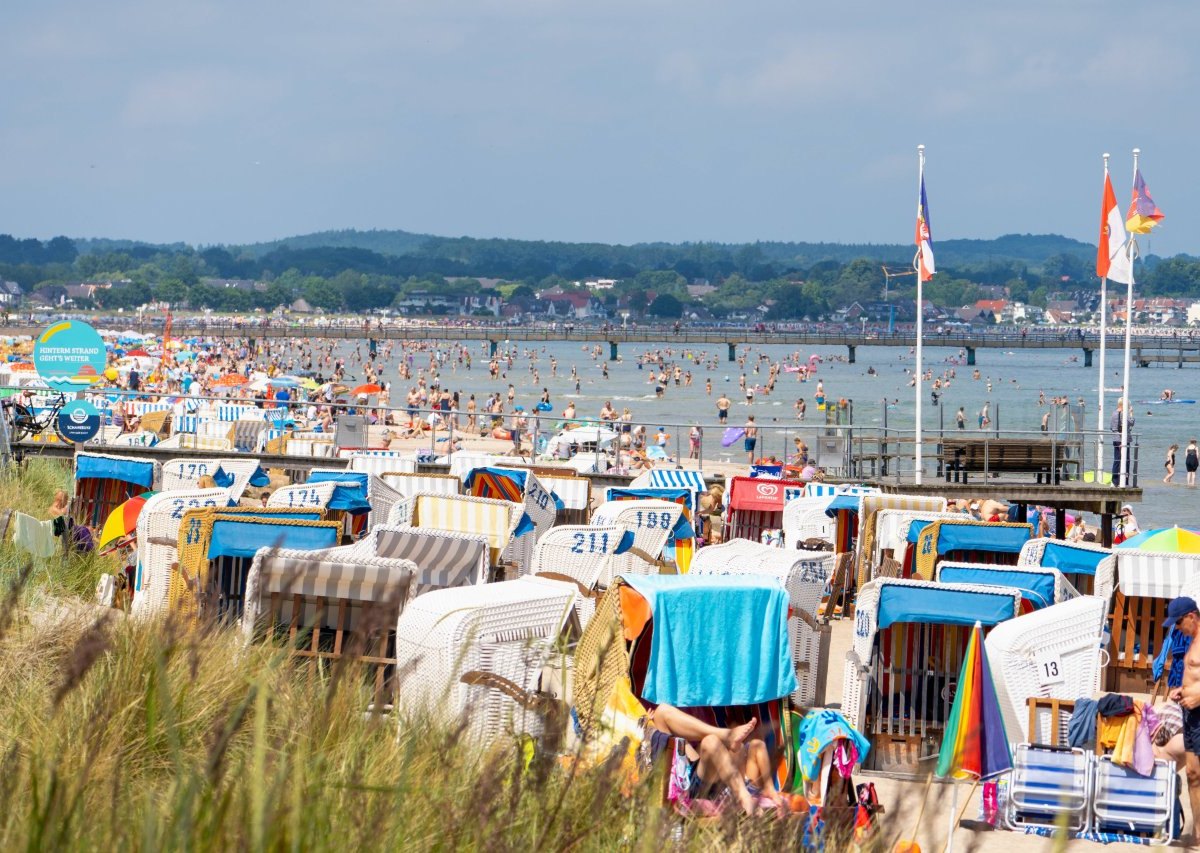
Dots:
pixel 654 519
pixel 591 541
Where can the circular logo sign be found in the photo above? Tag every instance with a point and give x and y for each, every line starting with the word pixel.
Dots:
pixel 79 421
pixel 767 490
pixel 69 356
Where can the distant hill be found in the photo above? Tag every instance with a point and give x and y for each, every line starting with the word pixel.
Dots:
pixel 405 253
pixel 381 242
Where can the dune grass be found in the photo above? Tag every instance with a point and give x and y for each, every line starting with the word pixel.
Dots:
pixel 159 735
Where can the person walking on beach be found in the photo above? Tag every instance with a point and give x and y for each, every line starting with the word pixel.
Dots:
pixel 1191 461
pixel 695 434
pixel 723 404
pixel 961 418
pixel 1184 615
pixel 1170 463
pixel 750 439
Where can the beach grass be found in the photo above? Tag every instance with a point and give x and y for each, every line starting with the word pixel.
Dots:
pixel 160 735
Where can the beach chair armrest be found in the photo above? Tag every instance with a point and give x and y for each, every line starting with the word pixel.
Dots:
pixel 531 700
pixel 586 592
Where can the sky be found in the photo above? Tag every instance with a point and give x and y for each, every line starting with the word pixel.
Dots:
pixel 620 122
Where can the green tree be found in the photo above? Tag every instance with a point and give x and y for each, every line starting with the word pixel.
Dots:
pixel 665 305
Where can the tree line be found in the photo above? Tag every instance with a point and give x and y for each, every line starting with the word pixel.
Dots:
pixel 652 279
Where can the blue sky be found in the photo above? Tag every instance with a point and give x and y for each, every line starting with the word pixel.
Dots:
pixel 623 121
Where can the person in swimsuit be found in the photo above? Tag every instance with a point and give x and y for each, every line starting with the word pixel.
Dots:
pixel 718 756
pixel 1182 613
pixel 723 404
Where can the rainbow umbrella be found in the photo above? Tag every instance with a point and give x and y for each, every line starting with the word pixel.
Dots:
pixel 123 520
pixel 1178 540
pixel 975 745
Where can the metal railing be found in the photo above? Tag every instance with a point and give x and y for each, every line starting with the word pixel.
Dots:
pixel 835 446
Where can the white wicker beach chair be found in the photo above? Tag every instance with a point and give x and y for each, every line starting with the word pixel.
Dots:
pixel 407 484
pixel 581 554
pixel 860 677
pixel 135 439
pixel 158 543
pixel 1055 653
pixel 106 435
pixel 496 520
pixel 651 522
pixel 302 496
pixel 380 495
pixel 891 536
pixel 184 441
pixel 443 558
pixel 952 572
pixel 804 574
pixel 574 491
pixel 329 607
pixel 185 473
pixel 464 653
pixel 1068 557
pixel 379 462
pixel 805 518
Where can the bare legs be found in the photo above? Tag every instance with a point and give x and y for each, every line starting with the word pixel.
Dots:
pixel 728 756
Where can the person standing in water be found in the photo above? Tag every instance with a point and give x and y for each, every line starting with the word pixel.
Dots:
pixel 1191 461
pixel 1170 463
pixel 723 404
pixel 750 438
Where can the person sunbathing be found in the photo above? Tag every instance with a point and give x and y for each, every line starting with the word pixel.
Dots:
pixel 720 756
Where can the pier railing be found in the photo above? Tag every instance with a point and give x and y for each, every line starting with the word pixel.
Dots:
pixel 831 443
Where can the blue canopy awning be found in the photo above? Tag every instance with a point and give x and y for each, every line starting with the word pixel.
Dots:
pixel 942 606
pixel 109 468
pixel 999 538
pixel 841 502
pixel 243 539
pixel 1067 558
pixel 1036 587
pixel 259 479
pixel 350 491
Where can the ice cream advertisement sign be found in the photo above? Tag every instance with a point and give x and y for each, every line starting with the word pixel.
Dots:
pixel 69 356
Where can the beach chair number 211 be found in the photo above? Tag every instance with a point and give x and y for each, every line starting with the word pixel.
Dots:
pixel 588 544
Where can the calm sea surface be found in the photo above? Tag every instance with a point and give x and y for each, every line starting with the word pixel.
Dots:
pixel 1016 379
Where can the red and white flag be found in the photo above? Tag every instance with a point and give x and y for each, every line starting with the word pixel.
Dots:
pixel 1112 255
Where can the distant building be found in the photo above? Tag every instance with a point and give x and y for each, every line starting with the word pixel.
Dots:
pixel 10 293
pixel 247 284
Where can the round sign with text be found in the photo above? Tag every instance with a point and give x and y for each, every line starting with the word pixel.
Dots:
pixel 79 421
pixel 69 356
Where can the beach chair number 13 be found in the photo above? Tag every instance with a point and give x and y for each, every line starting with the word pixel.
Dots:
pixel 1049 668
pixel 591 540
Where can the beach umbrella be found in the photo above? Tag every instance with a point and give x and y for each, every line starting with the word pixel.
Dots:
pixel 123 520
pixel 310 385
pixel 286 382
pixel 1177 540
pixel 731 435
pixel 230 380
pixel 975 745
pixel 367 389
pixel 138 351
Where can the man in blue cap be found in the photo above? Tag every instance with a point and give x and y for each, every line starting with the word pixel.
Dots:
pixel 1184 615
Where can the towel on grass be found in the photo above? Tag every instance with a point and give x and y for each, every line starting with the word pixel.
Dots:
pixel 718 640
pixel 36 537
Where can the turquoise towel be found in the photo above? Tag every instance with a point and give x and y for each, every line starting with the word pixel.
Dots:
pixel 718 640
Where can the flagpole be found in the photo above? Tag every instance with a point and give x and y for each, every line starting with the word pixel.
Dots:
pixel 1129 247
pixel 920 315
pixel 1103 330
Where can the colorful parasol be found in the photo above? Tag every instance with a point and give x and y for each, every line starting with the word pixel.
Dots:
pixel 123 520
pixel 366 390
pixel 230 380
pixel 975 745
pixel 1177 540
